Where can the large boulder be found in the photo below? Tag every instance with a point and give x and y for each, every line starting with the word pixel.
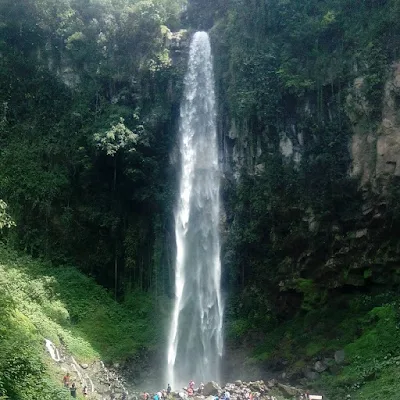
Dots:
pixel 288 390
pixel 211 389
pixel 272 383
pixel 311 375
pixel 320 366
pixel 257 386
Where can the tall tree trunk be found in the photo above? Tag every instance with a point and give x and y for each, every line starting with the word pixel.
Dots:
pixel 115 174
pixel 116 270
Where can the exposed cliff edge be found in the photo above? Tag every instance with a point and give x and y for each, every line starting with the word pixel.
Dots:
pixel 375 150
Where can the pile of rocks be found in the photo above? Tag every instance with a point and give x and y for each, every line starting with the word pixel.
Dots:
pixel 258 390
pixel 327 365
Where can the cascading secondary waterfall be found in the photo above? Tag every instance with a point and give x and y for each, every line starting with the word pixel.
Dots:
pixel 195 341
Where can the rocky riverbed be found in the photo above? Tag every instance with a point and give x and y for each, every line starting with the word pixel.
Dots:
pixel 257 390
pixel 106 383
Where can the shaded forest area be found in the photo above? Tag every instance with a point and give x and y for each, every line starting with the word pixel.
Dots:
pixel 89 106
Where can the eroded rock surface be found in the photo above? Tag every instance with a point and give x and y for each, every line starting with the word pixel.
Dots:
pixel 375 149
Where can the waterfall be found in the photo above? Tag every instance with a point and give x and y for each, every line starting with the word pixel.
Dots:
pixel 195 339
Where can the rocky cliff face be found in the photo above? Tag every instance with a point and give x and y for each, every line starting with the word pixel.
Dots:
pixel 374 146
pixel 310 148
pixel 375 149
pixel 352 236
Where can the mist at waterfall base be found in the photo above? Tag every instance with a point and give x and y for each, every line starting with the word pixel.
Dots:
pixel 195 341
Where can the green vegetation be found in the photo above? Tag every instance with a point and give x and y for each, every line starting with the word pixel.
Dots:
pixel 285 71
pixel 373 357
pixel 70 309
pixel 297 258
pixel 5 219
pixel 366 327
pixel 83 84
pixel 89 103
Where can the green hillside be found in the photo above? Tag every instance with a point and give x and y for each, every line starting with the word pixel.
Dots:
pixel 365 327
pixel 61 304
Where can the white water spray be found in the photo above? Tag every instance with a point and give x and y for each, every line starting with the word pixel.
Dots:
pixel 52 349
pixel 195 340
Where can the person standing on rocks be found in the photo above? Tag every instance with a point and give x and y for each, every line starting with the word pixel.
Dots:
pixel 201 388
pixel 66 380
pixel 169 389
pixel 73 390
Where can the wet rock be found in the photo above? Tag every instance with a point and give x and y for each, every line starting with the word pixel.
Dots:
pixel 289 390
pixel 311 375
pixel 84 366
pixel 320 366
pixel 361 233
pixel 260 390
pixel 238 383
pixel 271 383
pixel 367 209
pixel 211 388
pixel 339 356
pixel 257 386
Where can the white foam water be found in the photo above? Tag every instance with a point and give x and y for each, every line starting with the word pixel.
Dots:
pixel 195 340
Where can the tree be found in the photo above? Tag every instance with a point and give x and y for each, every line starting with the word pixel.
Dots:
pixel 117 138
pixel 113 141
pixel 5 219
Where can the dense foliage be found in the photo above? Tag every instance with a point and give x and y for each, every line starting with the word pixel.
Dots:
pixel 284 72
pixel 89 98
pixel 71 310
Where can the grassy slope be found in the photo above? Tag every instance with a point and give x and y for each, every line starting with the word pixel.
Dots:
pixel 65 306
pixel 366 327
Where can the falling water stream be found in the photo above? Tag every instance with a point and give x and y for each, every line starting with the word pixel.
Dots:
pixel 195 339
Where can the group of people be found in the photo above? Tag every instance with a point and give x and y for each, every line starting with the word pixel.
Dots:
pixel 188 391
pixel 164 394
pixel 161 395
pixel 72 387
pixel 226 396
